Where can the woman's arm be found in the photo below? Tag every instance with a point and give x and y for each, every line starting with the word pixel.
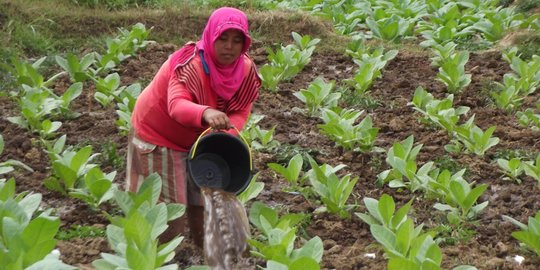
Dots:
pixel 238 119
pixel 181 106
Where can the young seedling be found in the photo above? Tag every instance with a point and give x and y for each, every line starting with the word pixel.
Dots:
pixel 291 172
pixel 512 168
pixel 134 237
pixel 333 191
pixel 252 191
pixel 529 234
pixel 318 95
pixel 277 245
pixel 27 234
pixel 98 188
pixel 532 168
pixel 382 212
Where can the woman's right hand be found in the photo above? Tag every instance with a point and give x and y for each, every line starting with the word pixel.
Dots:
pixel 216 119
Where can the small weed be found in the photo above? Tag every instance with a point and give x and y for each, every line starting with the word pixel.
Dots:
pixel 452 234
pixel 363 102
pixel 110 155
pixel 286 152
pixel 376 162
pixel 448 163
pixel 471 44
pixel 528 45
pixel 527 5
pixel 122 4
pixel 514 153
pixel 78 231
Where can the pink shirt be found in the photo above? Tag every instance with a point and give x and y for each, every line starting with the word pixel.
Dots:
pixel 169 114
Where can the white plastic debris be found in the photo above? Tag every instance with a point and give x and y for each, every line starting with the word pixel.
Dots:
pixel 55 252
pixel 370 255
pixel 518 259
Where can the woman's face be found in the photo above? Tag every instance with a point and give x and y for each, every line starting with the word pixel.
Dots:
pixel 228 46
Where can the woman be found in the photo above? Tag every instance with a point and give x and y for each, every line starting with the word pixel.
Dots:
pixel 210 83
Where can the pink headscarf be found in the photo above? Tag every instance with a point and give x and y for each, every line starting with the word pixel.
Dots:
pixel 224 79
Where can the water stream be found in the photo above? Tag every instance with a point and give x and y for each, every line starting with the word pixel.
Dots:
pixel 226 228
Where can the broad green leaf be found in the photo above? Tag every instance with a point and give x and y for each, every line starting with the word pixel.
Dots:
pixel 386 209
pixel 384 236
pixel 38 238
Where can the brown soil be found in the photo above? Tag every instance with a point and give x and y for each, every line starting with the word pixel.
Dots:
pixel 346 242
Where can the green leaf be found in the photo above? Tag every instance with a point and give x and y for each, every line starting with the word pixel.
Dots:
pixel 384 236
pixel 175 210
pixel 30 204
pixel 38 238
pixel 72 93
pixel 397 263
pixel 7 189
pixel 137 229
pixel 386 209
pixel 66 174
pixel 404 236
pixel 473 195
pixel 303 263
pixel 252 191
pixel 401 214
pixel 312 249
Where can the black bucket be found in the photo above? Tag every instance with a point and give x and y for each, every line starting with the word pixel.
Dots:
pixel 221 161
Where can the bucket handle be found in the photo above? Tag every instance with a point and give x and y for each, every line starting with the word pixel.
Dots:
pixel 239 134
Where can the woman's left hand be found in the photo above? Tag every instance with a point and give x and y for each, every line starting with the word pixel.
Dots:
pixel 216 119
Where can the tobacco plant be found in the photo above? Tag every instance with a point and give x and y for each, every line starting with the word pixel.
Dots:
pixel 452 72
pixel 277 244
pixel 119 48
pixel 26 235
pixel 507 94
pixel 109 89
pixel 252 190
pixel 497 22
pixel 440 112
pixel 392 28
pixel 405 245
pixel 287 61
pixel 341 128
pixel 265 218
pixel 318 95
pixel 28 74
pixel 134 236
pixel 512 168
pixel 442 34
pixel 529 235
pixel 442 52
pixel 369 69
pixel 69 166
pixel 402 158
pixel 529 118
pixel 333 191
pixel 473 138
pixel 291 172
pixel 128 96
pixel 461 201
pixel 78 70
pixel 383 212
pixel 38 105
pixel 96 189
pixel 532 168
pixel 263 139
pixel 249 128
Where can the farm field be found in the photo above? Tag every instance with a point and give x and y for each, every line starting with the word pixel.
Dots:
pixel 485 242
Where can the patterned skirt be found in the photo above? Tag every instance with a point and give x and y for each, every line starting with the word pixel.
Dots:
pixel 144 158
